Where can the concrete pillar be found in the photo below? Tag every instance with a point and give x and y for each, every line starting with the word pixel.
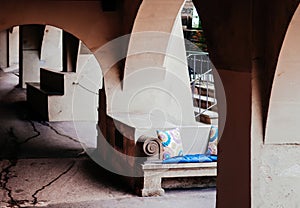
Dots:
pixel 13 55
pixel 31 37
pixel 51 52
pixel 4 49
pixel 70 52
pixel 9 49
pixel 229 45
pixel 234 145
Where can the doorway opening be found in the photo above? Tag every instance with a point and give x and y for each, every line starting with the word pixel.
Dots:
pixel 199 65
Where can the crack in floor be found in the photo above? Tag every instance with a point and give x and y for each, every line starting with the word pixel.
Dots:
pixel 35 199
pixel 47 124
pixel 38 133
pixel 5 173
pixel 16 139
pixel 4 180
pixel 57 132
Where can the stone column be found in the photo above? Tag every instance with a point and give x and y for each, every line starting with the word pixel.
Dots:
pixel 31 37
pixel 3 49
pixel 13 56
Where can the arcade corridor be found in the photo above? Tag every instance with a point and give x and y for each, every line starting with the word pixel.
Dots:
pixel 254 46
pixel 43 164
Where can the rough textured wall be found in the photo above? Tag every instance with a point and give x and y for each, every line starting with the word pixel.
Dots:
pixel 275 167
pixel 275 178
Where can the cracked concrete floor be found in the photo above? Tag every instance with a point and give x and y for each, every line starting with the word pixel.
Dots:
pixel 41 164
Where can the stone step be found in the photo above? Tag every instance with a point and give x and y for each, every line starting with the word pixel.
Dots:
pixel 52 81
pixel 42 96
pixel 207 117
pixel 207 120
pixel 37 86
pixel 65 96
pixel 211 114
pixel 206 84
pixel 12 68
pixel 204 90
pixel 204 98
pixel 205 102
pixel 53 105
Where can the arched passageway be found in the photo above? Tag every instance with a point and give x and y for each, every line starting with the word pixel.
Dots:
pixel 239 34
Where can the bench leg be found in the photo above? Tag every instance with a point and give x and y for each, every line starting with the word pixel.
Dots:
pixel 152 185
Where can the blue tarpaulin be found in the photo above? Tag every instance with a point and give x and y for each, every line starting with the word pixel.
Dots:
pixel 196 158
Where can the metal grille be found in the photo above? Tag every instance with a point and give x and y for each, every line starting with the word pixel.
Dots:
pixel 202 81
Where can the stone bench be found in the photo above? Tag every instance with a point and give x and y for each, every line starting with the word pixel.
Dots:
pixel 154 170
pixel 141 159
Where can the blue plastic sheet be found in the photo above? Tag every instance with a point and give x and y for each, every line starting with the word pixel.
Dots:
pixel 196 158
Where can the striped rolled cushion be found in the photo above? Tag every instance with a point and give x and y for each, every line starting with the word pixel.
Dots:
pixel 171 142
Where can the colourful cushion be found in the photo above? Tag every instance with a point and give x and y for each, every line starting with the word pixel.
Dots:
pixel 212 148
pixel 171 142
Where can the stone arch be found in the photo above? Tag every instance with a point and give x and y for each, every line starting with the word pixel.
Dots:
pixel 162 27
pixel 86 20
pixel 284 105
